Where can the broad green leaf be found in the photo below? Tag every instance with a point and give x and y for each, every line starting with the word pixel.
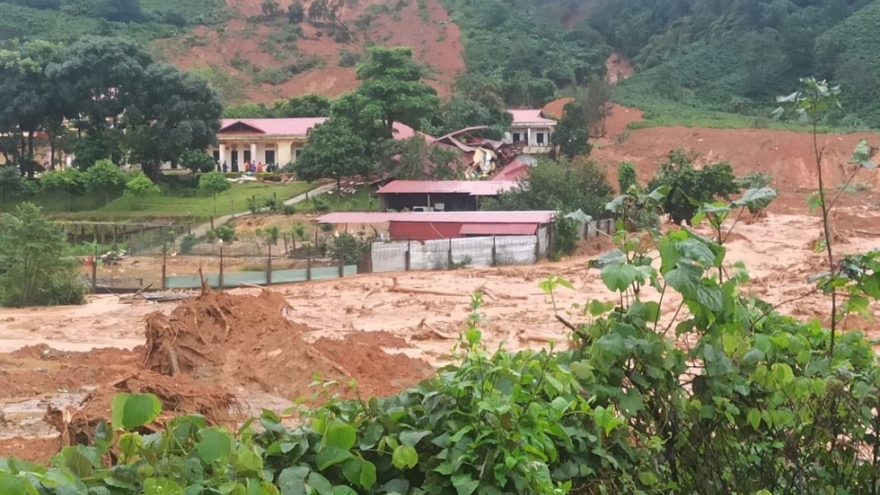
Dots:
pixel 411 437
pixel 405 456
pixel 319 483
pixel 710 297
pixel 631 403
pixel 340 435
pixel 757 198
pixel 684 281
pixel 370 436
pixel 368 475
pixel 247 461
pixel 161 486
pixel 613 257
pixel 292 480
pixel 343 490
pixel 13 485
pixel 77 462
pixel 330 456
pixel 214 444
pixel 606 419
pixel 659 194
pixel 132 411
pixel 619 277
pixel 752 357
pixel 695 250
pixel 598 308
pixel 782 373
pixel 648 478
pixel 617 203
pixel 754 418
pixel 464 484
pixel 351 469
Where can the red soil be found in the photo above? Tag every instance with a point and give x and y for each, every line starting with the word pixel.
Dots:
pixel 435 42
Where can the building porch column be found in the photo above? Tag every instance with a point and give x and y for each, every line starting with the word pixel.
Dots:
pixel 222 153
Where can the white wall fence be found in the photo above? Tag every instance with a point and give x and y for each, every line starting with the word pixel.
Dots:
pixel 443 254
pixel 472 252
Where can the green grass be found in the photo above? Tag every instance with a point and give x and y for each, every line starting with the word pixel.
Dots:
pixel 359 201
pixel 182 210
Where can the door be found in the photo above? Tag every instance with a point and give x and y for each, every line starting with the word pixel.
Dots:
pixel 235 160
pixel 270 157
pixel 247 156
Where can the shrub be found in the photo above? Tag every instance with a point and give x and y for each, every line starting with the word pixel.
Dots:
pixel 141 186
pixel 105 177
pixel 753 180
pixel 348 58
pixel 626 176
pixel 187 243
pixel 565 238
pixel 690 188
pixel 198 161
pixel 34 270
pixel 320 204
pixel 288 210
pixel 348 248
pixel 273 204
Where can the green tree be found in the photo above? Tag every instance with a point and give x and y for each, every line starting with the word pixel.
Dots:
pixel 296 12
pixel 626 177
pixel 334 150
pixel 34 268
pixel 415 159
pixel 11 182
pixel 392 81
pixel 572 134
pixel 198 161
pixel 308 105
pixel 348 248
pixel 104 177
pixel 689 188
pixel 141 187
pixel 214 183
pixel 564 186
pixel 271 9
pixel 71 182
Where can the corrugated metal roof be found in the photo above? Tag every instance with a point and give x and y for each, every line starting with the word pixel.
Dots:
pixel 300 126
pixel 506 217
pixel 529 116
pixel 512 172
pixel 498 229
pixel 472 187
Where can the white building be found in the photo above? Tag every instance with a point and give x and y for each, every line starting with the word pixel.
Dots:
pixel 531 129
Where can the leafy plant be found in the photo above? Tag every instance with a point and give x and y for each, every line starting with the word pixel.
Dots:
pixel 104 177
pixel 214 183
pixel 198 161
pixel 626 177
pixel 141 187
pixel 187 243
pixel 348 248
pixel 811 102
pixel 754 180
pixel 34 270
pixel 689 188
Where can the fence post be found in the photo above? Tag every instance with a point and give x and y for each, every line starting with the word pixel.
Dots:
pixel 538 246
pixel 212 222
pixel 220 278
pixel 189 229
pixel 407 257
pixel 164 268
pixel 494 253
pixel 95 271
pixel 309 263
pixel 269 267
pixel 341 267
pixel 450 253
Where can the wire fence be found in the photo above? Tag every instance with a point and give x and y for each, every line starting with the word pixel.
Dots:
pixel 181 263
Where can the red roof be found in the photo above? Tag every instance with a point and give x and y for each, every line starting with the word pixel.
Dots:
pixel 504 217
pixel 529 116
pixel 498 229
pixel 512 172
pixel 471 187
pixel 300 126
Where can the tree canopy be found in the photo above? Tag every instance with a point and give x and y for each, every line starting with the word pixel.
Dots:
pixel 334 150
pixel 124 105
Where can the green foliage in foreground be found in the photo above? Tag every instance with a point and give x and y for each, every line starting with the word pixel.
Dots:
pixel 754 404
pixel 33 268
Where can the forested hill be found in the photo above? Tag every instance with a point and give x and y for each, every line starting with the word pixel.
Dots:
pixel 737 55
pixel 708 55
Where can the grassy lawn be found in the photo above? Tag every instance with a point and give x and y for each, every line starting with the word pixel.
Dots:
pixel 359 201
pixel 182 210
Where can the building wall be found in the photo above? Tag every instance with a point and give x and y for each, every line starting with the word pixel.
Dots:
pixel 285 150
pixel 451 202
pixel 473 252
pixel 530 135
pixel 424 231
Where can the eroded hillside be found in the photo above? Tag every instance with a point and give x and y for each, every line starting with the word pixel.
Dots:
pixel 261 58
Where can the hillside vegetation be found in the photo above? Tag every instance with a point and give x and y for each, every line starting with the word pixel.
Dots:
pixel 68 20
pixel 737 56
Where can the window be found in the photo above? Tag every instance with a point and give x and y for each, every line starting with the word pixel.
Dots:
pixel 216 155
pixel 270 157
pixel 247 156
pixel 539 138
pixel 516 137
pixel 297 153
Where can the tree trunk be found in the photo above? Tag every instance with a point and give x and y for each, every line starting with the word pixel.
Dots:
pixel 338 183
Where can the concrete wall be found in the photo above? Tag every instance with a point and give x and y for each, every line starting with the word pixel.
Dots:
pixel 235 279
pixel 470 251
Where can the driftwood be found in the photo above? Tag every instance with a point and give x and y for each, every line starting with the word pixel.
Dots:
pixel 405 290
pixel 423 325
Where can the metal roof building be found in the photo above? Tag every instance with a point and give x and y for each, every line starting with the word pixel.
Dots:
pixel 450 195
pixel 425 226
